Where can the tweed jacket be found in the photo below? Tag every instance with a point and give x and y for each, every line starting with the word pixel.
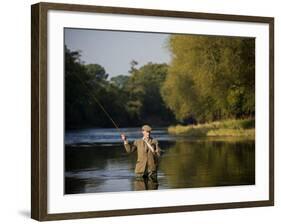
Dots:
pixel 146 159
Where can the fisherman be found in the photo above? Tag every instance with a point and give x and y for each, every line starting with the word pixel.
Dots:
pixel 148 152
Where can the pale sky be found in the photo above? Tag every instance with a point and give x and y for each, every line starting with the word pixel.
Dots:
pixel 114 50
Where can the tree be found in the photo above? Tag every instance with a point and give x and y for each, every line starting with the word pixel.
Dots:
pixel 96 71
pixel 130 100
pixel 120 81
pixel 133 65
pixel 75 96
pixel 86 88
pixel 210 77
pixel 145 102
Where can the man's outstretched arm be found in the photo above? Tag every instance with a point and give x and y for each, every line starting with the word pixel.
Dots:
pixel 130 147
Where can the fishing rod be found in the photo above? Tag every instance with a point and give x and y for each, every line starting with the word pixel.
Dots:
pixel 101 106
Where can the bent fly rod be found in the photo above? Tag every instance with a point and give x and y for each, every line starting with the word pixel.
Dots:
pixel 101 106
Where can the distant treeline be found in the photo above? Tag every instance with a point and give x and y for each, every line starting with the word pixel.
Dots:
pixel 209 78
pixel 130 100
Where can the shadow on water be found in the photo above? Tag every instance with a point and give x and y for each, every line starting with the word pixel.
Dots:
pixel 185 163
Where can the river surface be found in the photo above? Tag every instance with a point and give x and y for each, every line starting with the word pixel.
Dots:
pixel 96 161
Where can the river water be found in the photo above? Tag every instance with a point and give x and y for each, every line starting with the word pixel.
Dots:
pixel 96 161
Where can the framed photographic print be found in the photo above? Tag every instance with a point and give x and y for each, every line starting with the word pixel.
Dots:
pixel 140 111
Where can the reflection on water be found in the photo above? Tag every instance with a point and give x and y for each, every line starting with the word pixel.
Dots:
pixel 145 184
pixel 185 163
pixel 209 163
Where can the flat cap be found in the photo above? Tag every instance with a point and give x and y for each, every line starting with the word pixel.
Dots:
pixel 146 128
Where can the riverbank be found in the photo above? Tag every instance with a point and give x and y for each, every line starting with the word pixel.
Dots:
pixel 239 128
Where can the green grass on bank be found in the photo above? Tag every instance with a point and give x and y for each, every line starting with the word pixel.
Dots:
pixel 243 127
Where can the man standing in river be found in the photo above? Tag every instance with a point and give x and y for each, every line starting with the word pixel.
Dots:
pixel 148 152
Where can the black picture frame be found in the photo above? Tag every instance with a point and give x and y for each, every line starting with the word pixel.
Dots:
pixel 39 105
